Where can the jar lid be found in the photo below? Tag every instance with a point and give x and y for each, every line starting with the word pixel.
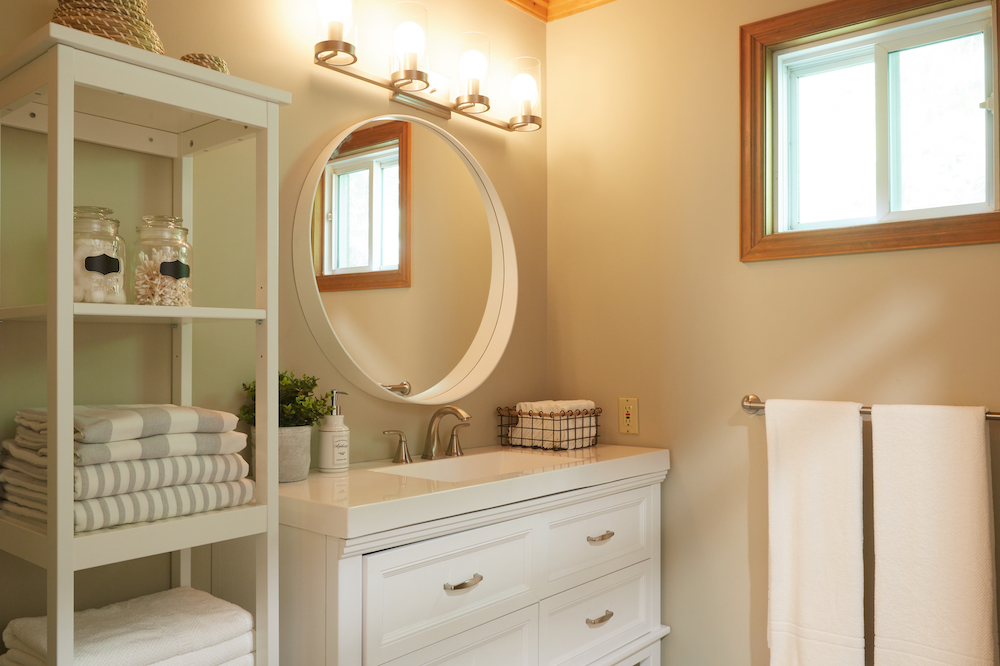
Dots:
pixel 91 212
pixel 163 221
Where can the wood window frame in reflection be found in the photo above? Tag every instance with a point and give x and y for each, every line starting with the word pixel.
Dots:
pixel 365 139
pixel 758 42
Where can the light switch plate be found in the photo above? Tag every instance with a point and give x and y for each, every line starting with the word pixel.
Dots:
pixel 628 416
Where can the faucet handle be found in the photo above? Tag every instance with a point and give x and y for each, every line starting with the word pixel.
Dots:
pixel 402 453
pixel 454 447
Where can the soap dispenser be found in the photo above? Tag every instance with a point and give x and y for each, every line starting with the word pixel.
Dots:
pixel 334 440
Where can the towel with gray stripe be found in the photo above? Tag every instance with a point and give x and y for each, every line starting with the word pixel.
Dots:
pixel 162 461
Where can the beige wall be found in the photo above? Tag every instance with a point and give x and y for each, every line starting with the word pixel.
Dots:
pixel 647 298
pixel 271 43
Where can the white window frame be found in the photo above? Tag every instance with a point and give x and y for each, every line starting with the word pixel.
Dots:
pixel 874 45
pixel 374 162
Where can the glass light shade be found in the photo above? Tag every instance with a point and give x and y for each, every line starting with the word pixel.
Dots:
pixel 525 86
pixel 338 37
pixel 409 59
pixel 474 73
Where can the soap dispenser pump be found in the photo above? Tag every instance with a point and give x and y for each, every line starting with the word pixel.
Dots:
pixel 334 440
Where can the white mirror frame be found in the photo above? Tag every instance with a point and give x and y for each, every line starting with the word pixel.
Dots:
pixel 491 339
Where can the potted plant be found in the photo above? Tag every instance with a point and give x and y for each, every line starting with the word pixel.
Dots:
pixel 298 411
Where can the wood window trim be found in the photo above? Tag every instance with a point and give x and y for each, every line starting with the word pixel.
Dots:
pixel 758 41
pixel 359 140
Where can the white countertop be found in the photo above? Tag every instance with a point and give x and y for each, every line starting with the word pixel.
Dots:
pixel 360 501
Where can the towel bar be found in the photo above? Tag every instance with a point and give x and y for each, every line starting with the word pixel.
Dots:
pixel 754 405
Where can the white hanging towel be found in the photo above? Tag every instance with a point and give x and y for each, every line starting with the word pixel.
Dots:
pixel 815 533
pixel 935 591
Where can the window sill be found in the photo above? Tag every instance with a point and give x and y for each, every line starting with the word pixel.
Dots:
pixel 911 234
pixel 352 281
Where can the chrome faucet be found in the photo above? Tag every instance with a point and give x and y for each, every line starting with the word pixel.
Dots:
pixel 432 444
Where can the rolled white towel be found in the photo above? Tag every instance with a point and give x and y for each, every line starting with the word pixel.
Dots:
pixel 145 630
pixel 554 432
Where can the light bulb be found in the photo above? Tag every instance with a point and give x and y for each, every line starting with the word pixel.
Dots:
pixel 525 92
pixel 335 14
pixel 473 65
pixel 409 40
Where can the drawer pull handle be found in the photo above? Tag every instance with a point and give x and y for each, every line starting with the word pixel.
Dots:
pixel 604 537
pixel 601 620
pixel 472 582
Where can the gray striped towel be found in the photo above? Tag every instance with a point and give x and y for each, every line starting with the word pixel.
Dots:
pixel 128 476
pixel 141 506
pixel 157 446
pixel 111 423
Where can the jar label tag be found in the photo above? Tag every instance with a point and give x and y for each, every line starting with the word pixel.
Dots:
pixel 103 264
pixel 178 270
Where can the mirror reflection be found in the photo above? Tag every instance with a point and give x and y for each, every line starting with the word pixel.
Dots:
pixel 401 252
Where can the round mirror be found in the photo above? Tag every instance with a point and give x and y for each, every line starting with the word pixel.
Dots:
pixel 404 261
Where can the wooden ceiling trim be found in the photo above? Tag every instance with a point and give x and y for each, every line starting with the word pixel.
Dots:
pixel 562 8
pixel 537 8
pixel 550 10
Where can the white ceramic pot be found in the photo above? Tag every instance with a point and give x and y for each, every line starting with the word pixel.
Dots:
pixel 294 451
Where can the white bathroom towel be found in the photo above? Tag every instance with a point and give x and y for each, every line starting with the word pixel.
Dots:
pixel 815 533
pixel 128 476
pixel 935 589
pixel 146 448
pixel 142 631
pixel 216 655
pixel 112 423
pixel 567 432
pixel 142 506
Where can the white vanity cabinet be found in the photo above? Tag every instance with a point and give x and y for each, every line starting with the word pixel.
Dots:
pixel 567 578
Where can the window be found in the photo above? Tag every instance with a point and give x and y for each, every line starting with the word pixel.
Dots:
pixel 361 221
pixel 867 129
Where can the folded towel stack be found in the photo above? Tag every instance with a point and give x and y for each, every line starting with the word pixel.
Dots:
pixel 134 463
pixel 554 424
pixel 178 627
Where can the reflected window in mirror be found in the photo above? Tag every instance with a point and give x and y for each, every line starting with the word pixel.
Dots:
pixel 361 214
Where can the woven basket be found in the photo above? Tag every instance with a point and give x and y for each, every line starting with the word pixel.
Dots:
pixel 141 6
pixel 207 60
pixel 115 25
pixel 133 9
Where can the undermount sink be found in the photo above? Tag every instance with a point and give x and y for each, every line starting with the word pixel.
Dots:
pixel 476 466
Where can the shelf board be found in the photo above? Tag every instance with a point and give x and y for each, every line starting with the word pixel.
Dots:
pixel 128 542
pixel 99 313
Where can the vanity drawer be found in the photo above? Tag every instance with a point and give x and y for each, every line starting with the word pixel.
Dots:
pixel 595 618
pixel 511 640
pixel 408 606
pixel 594 538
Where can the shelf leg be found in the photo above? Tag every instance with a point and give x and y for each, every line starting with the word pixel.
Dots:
pixel 266 375
pixel 59 346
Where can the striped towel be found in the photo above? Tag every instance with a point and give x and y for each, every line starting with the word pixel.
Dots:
pixel 128 476
pixel 112 423
pixel 141 506
pixel 157 446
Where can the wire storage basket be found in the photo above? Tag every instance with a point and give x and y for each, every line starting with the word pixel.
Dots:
pixel 558 431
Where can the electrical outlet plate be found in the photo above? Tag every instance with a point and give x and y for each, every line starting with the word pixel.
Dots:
pixel 628 416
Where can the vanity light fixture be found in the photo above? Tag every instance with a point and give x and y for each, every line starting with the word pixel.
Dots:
pixel 338 48
pixel 413 84
pixel 526 75
pixel 409 41
pixel 474 73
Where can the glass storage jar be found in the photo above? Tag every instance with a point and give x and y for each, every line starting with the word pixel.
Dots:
pixel 98 256
pixel 162 262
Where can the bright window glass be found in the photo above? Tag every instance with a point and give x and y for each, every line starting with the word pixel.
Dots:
pixel 353 236
pixel 939 151
pixel 836 144
pixel 390 215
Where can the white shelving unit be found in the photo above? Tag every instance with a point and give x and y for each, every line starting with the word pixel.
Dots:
pixel 75 86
